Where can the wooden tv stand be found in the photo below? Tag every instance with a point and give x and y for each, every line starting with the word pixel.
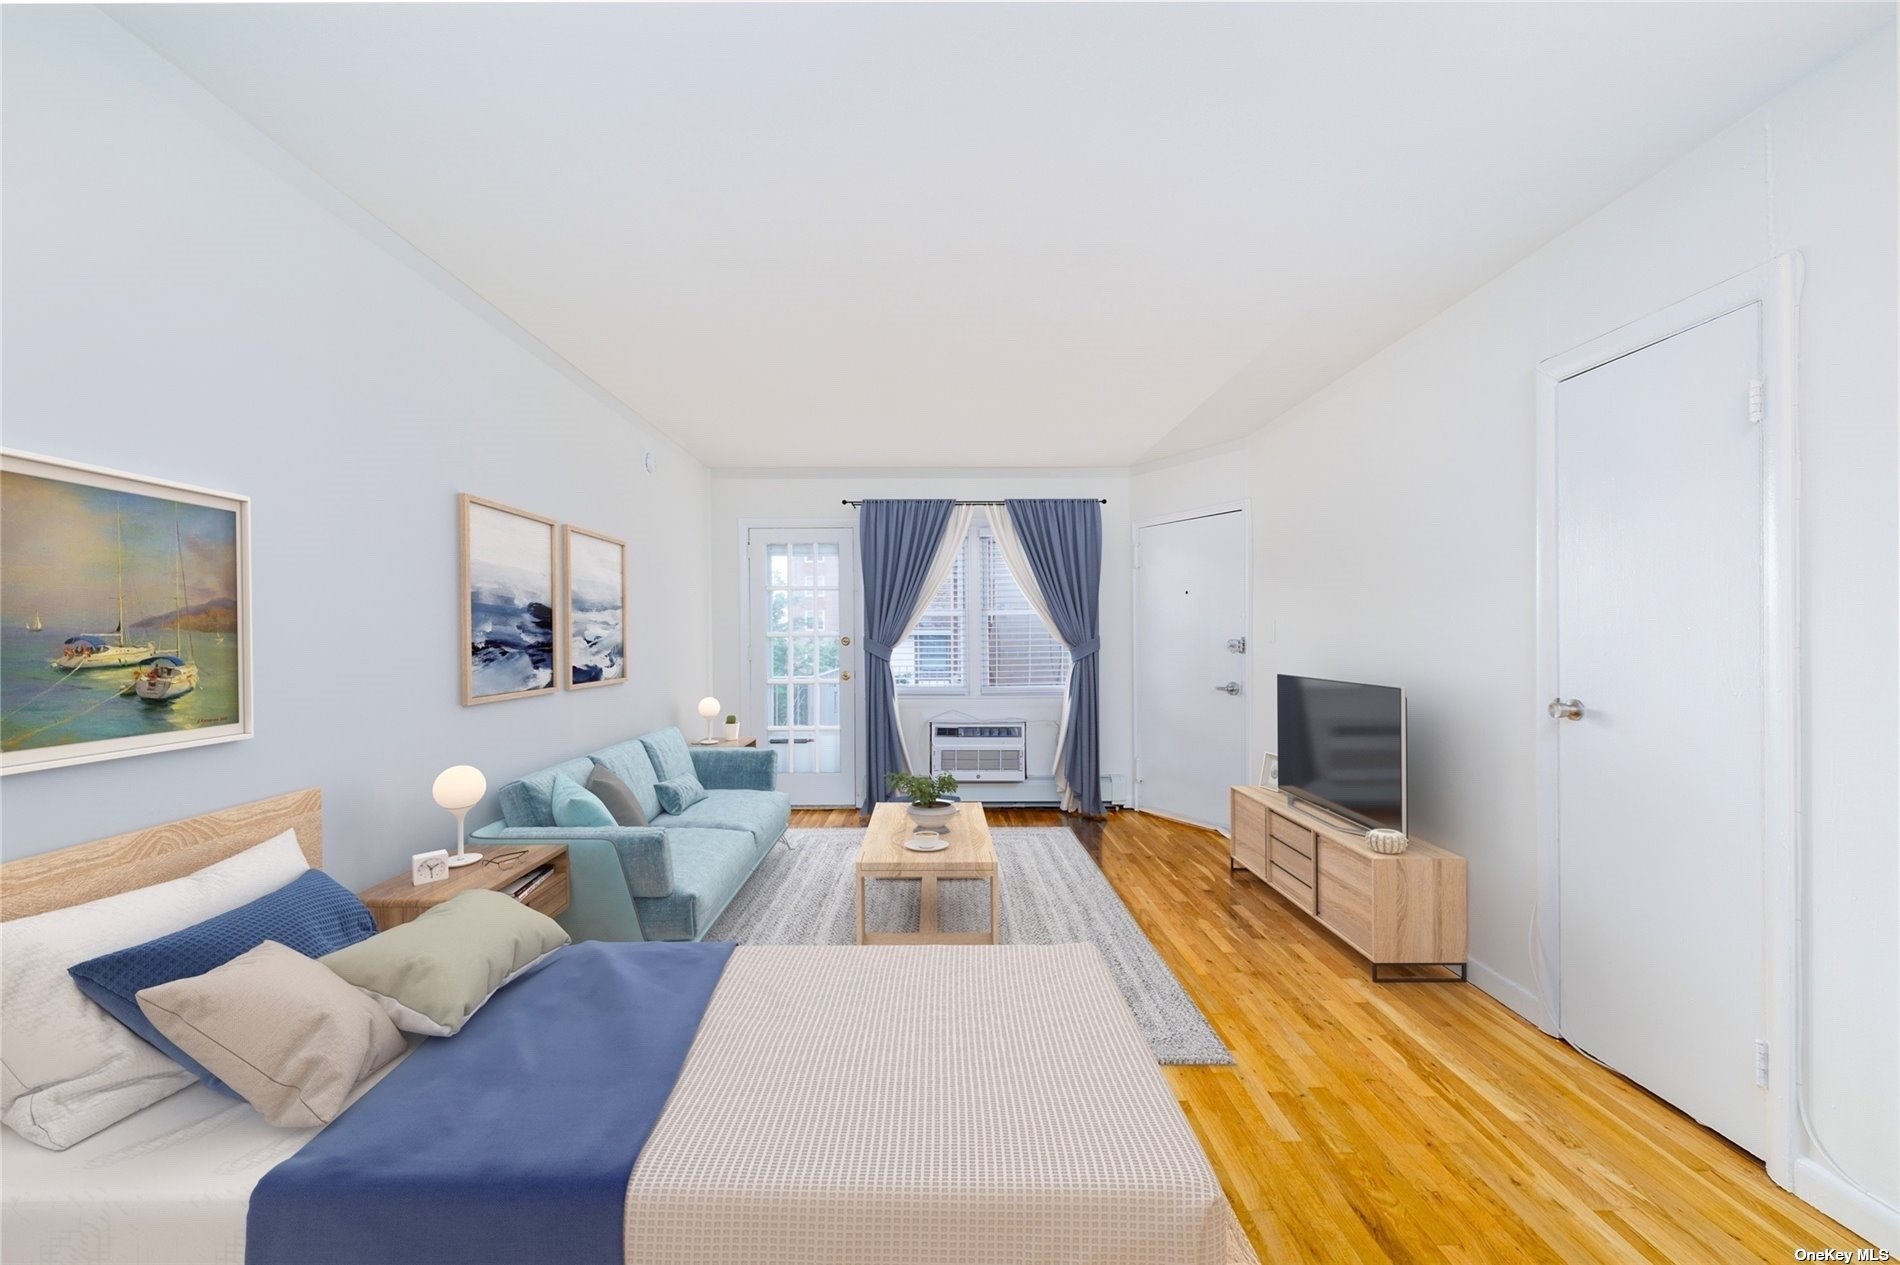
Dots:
pixel 1403 910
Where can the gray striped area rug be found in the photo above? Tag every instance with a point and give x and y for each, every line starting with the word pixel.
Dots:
pixel 1053 893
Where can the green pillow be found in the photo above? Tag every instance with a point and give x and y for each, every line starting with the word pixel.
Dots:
pixel 575 805
pixel 430 975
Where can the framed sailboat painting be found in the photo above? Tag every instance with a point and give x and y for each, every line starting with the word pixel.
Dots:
pixel 125 616
pixel 510 647
pixel 596 609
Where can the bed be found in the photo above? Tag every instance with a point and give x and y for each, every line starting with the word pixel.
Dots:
pixel 833 1105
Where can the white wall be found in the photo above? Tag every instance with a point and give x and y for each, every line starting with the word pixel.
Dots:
pixel 183 300
pixel 1393 515
pixel 770 497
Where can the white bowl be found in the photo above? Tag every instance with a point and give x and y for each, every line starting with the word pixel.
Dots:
pixel 935 818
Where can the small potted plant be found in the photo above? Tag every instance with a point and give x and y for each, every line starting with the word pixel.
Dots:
pixel 732 725
pixel 928 808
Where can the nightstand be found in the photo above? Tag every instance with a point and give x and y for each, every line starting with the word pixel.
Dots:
pixel 725 742
pixel 397 900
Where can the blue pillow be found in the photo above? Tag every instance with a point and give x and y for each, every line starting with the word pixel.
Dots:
pixel 313 914
pixel 575 805
pixel 668 751
pixel 677 794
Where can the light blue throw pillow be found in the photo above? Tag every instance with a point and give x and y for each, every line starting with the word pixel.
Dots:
pixel 670 755
pixel 677 794
pixel 575 805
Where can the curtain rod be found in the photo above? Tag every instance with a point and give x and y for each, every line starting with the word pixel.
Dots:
pixel 1100 500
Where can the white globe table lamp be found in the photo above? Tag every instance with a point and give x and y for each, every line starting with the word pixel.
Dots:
pixel 709 708
pixel 459 789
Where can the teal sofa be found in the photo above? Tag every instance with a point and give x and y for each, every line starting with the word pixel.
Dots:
pixel 668 879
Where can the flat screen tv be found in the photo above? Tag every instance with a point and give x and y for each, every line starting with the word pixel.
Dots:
pixel 1342 748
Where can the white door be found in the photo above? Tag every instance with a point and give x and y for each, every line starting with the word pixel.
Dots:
pixel 802 604
pixel 1191 680
pixel 1660 641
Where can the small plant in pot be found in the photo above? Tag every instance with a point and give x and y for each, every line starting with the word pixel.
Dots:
pixel 732 725
pixel 928 808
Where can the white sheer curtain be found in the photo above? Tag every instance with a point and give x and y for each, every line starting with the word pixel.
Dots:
pixel 955 532
pixel 1012 546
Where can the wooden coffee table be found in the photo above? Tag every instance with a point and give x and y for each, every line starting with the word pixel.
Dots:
pixel 970 855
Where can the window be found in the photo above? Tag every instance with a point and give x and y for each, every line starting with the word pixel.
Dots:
pixel 982 630
pixel 1018 652
pixel 931 658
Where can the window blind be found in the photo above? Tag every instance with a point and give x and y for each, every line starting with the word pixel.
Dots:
pixel 931 657
pixel 1018 651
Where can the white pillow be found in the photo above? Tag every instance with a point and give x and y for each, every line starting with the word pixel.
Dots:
pixel 67 1068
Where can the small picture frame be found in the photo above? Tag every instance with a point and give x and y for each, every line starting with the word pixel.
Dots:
pixel 1270 771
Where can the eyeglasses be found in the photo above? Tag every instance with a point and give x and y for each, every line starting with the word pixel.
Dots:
pixel 505 858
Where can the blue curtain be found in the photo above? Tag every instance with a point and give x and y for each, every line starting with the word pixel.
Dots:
pixel 1063 543
pixel 897 540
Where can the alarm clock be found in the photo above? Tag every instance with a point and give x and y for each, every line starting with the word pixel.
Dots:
pixel 429 867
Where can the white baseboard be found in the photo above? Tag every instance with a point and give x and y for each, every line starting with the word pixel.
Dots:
pixel 1873 1220
pixel 1507 990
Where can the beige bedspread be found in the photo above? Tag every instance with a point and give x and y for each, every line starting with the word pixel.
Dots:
pixel 929 1105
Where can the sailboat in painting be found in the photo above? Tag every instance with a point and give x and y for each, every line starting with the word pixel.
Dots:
pixel 36 624
pixel 170 676
pixel 104 650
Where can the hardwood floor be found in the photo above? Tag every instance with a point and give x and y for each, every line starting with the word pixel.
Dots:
pixel 1412 1122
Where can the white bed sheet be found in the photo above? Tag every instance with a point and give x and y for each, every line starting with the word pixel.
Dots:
pixel 168 1186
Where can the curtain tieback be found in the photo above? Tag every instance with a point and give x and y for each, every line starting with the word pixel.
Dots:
pixel 872 646
pixel 1083 650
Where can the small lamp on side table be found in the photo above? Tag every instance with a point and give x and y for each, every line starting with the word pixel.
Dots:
pixel 459 789
pixel 709 708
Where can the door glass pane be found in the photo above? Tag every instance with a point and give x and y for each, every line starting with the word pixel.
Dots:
pixel 800 664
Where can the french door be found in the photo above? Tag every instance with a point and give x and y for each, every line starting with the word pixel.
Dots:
pixel 802 608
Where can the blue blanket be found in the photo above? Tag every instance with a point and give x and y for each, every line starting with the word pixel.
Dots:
pixel 510 1142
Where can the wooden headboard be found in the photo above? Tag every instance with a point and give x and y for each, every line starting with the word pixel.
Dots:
pixel 106 867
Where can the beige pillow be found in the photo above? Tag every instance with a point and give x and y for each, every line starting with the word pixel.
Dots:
pixel 279 1028
pixel 430 975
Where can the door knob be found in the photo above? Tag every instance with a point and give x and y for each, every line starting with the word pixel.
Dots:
pixel 844 676
pixel 1232 687
pixel 1565 709
pixel 844 641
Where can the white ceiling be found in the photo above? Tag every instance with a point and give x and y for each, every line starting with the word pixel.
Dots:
pixel 1039 235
